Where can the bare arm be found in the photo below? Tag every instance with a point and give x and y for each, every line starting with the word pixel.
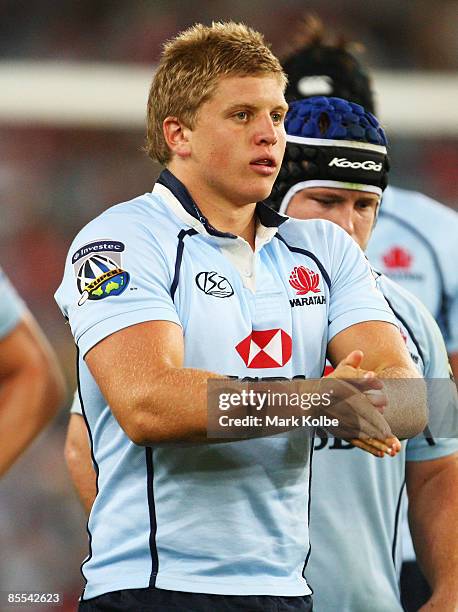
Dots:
pixel 386 355
pixel 154 398
pixel 79 461
pixel 433 509
pixel 31 388
pixel 453 358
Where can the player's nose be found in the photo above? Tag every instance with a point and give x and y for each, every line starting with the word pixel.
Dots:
pixel 265 130
pixel 346 220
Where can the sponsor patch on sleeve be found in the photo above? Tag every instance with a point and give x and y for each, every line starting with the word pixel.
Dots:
pixel 98 270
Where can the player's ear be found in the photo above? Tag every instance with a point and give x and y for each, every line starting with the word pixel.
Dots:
pixel 176 136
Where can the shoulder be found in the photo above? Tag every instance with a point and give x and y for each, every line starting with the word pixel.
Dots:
pixel 407 304
pixel 144 219
pixel 318 234
pixel 419 323
pixel 419 210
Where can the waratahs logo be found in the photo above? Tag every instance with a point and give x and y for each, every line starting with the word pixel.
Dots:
pixel 397 258
pixel 304 280
pixel 99 277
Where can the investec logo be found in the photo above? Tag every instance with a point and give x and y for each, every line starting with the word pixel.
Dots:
pixel 343 162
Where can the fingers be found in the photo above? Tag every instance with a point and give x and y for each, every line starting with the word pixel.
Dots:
pixel 368 448
pixel 395 445
pixel 391 446
pixel 377 398
pixel 353 359
pixel 367 383
pixel 357 412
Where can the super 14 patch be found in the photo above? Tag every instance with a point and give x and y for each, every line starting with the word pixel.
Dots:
pixel 98 270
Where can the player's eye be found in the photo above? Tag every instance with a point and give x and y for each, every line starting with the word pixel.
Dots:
pixel 366 206
pixel 277 118
pixel 242 115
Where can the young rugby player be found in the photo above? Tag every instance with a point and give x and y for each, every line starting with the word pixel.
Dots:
pixel 195 280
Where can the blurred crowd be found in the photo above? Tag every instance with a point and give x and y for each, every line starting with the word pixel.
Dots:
pixel 53 181
pixel 397 34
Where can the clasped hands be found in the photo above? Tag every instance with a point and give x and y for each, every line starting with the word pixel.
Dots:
pixel 358 404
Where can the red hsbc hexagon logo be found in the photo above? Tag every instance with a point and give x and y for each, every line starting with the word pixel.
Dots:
pixel 268 348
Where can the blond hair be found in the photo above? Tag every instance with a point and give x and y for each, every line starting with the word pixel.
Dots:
pixel 189 69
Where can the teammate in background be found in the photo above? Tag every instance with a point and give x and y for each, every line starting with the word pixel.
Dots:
pixel 78 456
pixel 354 564
pixel 194 279
pixel 414 241
pixel 31 384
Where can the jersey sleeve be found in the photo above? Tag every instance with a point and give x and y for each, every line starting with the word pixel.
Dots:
pixel 441 437
pixel 116 275
pixel 354 297
pixel 12 308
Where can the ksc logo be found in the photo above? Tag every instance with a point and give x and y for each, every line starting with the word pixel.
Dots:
pixel 212 283
pixel 99 277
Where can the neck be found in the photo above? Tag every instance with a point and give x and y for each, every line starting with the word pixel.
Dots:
pixel 222 213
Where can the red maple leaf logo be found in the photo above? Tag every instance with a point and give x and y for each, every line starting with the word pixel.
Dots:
pixel 397 257
pixel 304 280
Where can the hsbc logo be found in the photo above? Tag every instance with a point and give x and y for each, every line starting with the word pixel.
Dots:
pixel 343 162
pixel 269 348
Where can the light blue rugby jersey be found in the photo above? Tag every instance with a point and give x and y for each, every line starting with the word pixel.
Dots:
pixel 414 243
pixel 228 518
pixel 357 499
pixel 12 308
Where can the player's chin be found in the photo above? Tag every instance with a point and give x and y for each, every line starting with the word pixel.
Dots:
pixel 261 189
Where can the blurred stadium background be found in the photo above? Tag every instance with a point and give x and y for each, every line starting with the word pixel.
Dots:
pixel 74 77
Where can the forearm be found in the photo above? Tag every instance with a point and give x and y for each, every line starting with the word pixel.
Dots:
pixel 28 401
pixel 179 408
pixel 453 358
pixel 157 400
pixel 433 508
pixel 171 408
pixel 79 462
pixel 83 480
pixel 406 412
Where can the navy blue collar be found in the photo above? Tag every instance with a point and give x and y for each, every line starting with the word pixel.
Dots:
pixel 266 215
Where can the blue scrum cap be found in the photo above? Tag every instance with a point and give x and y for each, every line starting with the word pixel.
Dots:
pixel 331 143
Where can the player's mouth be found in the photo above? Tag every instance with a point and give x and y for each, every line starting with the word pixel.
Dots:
pixel 265 165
